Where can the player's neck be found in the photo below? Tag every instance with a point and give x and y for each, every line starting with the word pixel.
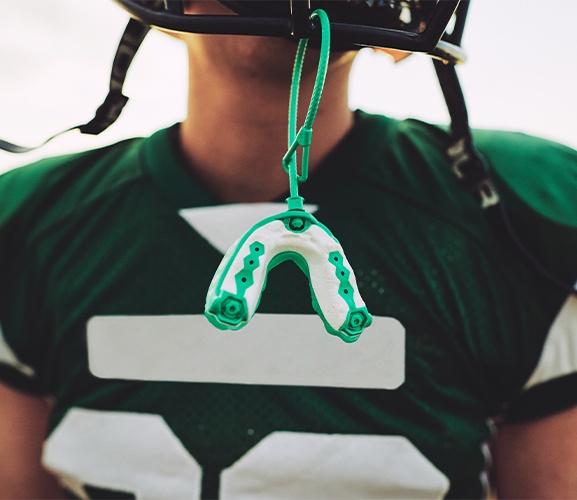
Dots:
pixel 236 132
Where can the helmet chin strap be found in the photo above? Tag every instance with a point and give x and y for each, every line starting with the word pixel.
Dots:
pixel 294 235
pixel 472 172
pixel 110 109
pixel 469 168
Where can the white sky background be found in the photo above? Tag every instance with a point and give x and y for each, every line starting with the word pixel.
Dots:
pixel 55 58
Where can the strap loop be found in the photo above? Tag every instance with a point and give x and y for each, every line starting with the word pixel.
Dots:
pixel 471 172
pixel 304 136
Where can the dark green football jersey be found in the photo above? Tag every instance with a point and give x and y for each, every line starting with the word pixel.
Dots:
pixel 105 262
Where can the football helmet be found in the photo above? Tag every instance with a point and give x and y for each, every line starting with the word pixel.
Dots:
pixel 409 25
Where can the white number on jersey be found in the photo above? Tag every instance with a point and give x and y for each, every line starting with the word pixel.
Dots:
pixel 139 454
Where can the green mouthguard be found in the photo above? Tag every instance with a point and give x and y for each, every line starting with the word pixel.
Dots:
pixel 236 289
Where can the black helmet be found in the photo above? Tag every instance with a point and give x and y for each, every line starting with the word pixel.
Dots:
pixel 409 25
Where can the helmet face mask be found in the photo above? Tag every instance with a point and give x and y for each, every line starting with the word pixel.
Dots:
pixel 408 25
pixel 407 15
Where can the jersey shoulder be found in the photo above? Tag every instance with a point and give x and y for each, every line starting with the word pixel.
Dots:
pixel 536 179
pixel 44 192
pixel 540 173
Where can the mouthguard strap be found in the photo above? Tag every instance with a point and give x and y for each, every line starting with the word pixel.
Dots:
pixel 304 136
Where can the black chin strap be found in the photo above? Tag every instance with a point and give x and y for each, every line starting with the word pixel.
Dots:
pixel 472 172
pixel 110 109
pixel 469 168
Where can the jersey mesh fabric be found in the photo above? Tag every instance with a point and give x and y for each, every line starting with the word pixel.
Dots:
pixel 99 234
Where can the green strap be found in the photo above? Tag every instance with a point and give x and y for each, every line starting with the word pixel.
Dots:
pixel 304 136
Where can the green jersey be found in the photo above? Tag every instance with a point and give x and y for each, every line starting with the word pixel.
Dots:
pixel 105 262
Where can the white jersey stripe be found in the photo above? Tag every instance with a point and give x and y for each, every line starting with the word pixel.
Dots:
pixel 559 356
pixel 8 357
pixel 273 349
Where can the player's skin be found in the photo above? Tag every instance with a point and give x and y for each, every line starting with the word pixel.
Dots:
pixel 236 131
pixel 233 139
pixel 23 424
pixel 537 459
